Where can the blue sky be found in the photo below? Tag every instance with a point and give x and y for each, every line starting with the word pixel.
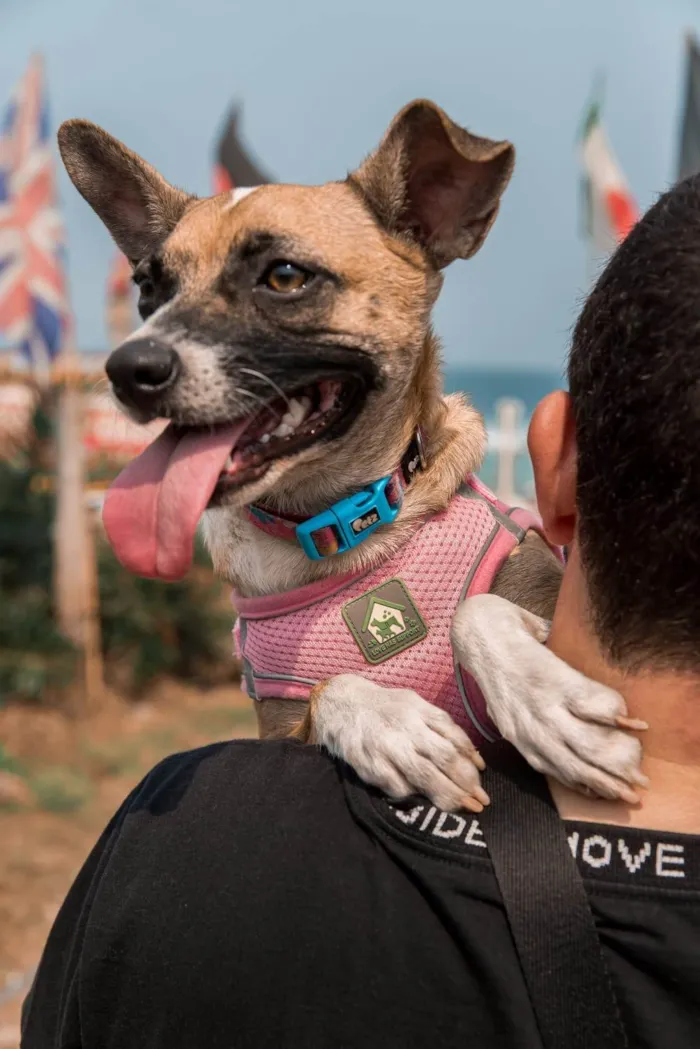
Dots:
pixel 320 80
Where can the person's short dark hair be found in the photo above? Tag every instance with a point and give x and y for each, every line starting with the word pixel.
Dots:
pixel 634 379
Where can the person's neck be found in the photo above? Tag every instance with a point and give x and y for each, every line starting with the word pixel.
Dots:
pixel 669 703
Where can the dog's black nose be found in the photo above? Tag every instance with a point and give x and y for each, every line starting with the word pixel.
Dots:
pixel 141 370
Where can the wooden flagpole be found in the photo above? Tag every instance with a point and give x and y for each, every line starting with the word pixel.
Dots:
pixel 75 577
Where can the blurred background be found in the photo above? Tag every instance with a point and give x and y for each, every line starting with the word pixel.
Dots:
pixel 101 673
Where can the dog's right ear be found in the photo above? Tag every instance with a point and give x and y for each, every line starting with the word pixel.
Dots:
pixel 436 183
pixel 138 207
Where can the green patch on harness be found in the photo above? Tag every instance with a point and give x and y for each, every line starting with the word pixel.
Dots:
pixel 384 621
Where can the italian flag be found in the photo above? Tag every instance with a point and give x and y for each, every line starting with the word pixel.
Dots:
pixel 610 208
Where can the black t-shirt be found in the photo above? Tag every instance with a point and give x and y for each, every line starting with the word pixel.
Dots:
pixel 257 895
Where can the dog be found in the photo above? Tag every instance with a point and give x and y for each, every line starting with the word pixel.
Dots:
pixel 287 338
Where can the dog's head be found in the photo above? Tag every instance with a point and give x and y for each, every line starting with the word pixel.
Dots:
pixel 294 320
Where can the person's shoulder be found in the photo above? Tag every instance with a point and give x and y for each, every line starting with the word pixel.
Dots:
pixel 242 771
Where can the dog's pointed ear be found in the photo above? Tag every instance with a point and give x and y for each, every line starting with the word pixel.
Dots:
pixel 435 182
pixel 138 207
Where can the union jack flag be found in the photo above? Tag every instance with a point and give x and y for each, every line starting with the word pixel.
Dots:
pixel 33 300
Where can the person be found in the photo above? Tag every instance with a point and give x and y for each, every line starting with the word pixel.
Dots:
pixel 256 894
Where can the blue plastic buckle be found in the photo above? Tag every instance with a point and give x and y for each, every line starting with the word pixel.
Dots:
pixel 352 519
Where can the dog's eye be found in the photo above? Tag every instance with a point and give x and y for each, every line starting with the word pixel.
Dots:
pixel 145 285
pixel 142 279
pixel 154 284
pixel 285 278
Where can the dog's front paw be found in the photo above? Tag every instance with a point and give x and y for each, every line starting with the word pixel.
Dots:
pixel 578 734
pixel 564 724
pixel 398 742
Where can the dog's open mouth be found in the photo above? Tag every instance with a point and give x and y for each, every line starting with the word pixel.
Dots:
pixel 286 426
pixel 153 508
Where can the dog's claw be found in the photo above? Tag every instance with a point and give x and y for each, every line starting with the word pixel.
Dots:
pixel 481 796
pixel 632 724
pixel 478 760
pixel 471 805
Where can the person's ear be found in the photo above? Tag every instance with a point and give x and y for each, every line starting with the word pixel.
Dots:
pixel 552 444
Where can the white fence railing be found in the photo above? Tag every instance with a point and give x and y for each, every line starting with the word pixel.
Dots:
pixel 507 441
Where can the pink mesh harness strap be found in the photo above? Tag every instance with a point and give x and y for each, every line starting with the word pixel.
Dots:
pixel 289 642
pixel 511 525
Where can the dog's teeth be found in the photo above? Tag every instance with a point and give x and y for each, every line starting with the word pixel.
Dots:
pixel 283 430
pixel 296 410
pixel 228 464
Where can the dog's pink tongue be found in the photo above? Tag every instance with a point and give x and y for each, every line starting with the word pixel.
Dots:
pixel 152 510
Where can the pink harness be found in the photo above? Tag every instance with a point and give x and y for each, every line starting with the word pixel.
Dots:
pixel 392 623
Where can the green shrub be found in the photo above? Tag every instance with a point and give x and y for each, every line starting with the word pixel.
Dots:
pixel 9 763
pixel 59 789
pixel 35 660
pixel 151 629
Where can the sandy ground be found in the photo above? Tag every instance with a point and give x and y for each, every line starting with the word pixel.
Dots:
pixel 80 770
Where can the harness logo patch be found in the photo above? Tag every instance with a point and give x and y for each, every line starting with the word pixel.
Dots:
pixel 384 621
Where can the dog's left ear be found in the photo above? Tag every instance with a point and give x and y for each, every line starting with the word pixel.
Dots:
pixel 138 207
pixel 436 182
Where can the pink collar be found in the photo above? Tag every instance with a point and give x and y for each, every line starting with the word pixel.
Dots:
pixel 273 524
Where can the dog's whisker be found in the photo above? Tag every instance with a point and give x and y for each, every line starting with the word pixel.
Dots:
pixel 265 378
pixel 242 392
pixel 257 399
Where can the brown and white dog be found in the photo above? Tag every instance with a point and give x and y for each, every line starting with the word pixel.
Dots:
pixel 322 296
